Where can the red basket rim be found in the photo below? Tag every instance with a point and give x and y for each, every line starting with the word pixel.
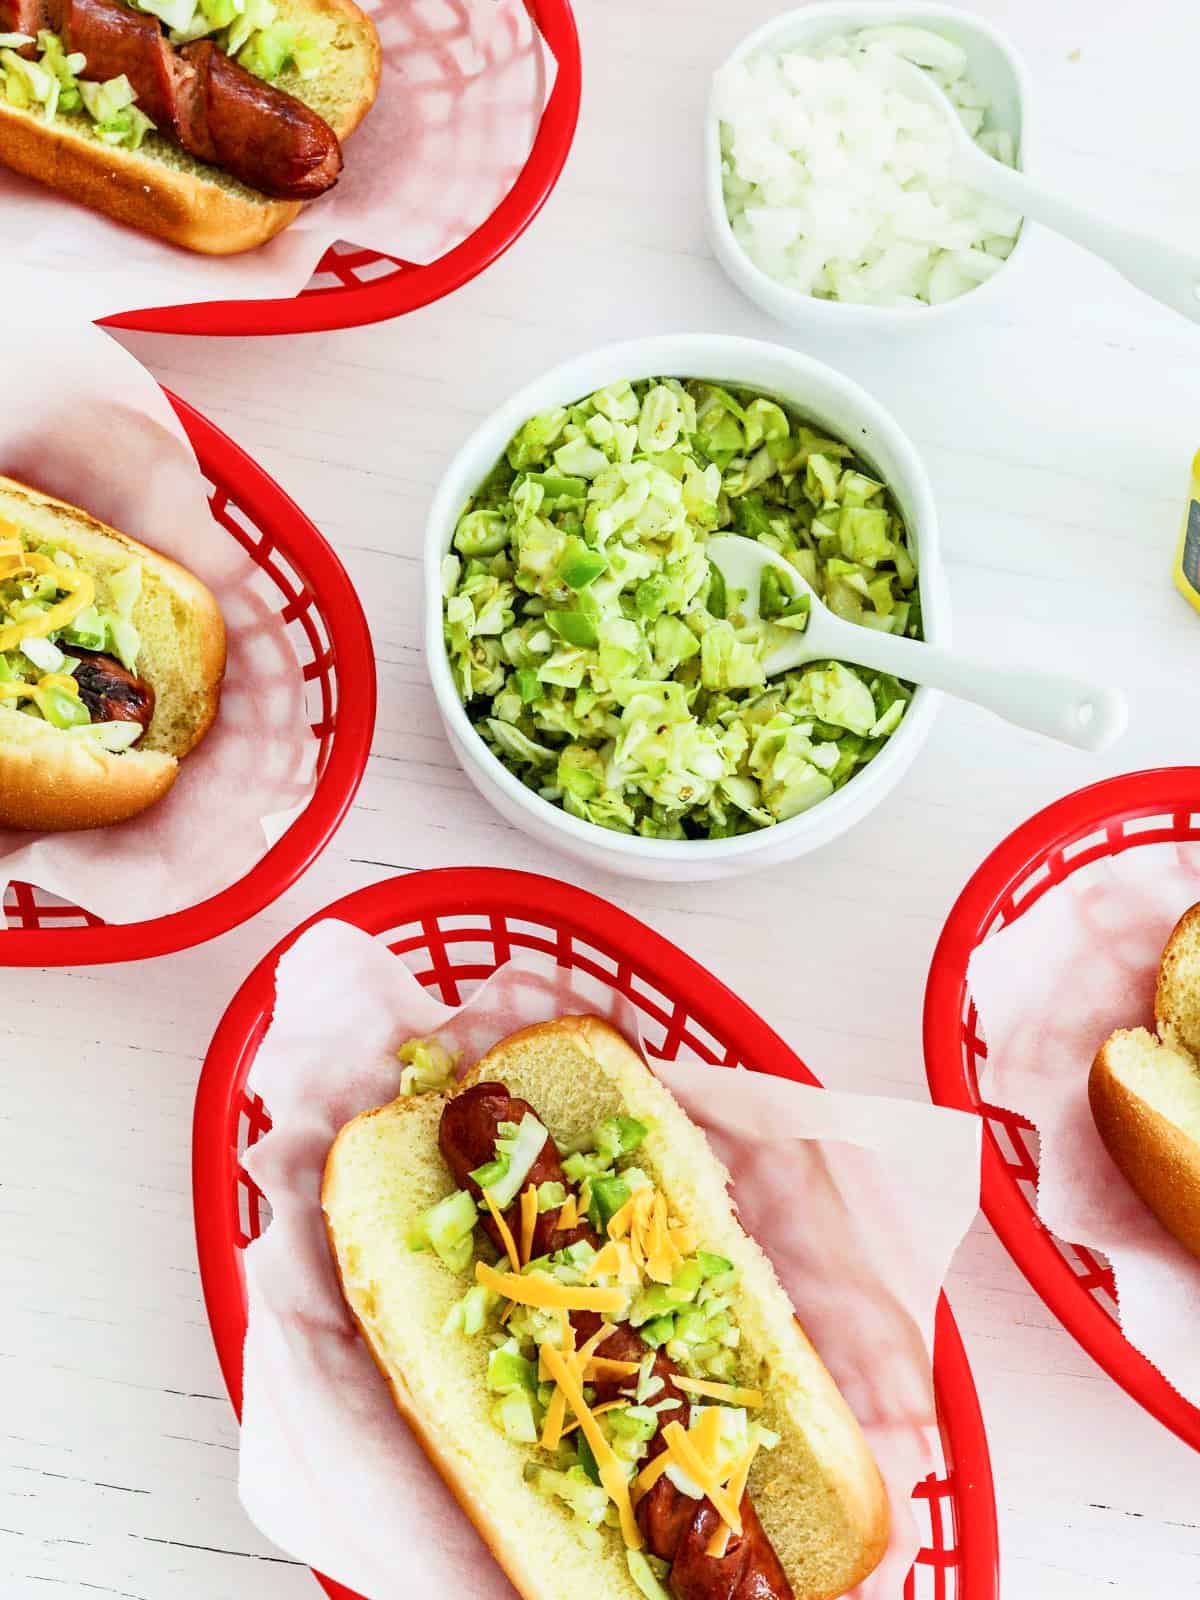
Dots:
pixel 291 856
pixel 396 294
pixel 1147 793
pixel 407 899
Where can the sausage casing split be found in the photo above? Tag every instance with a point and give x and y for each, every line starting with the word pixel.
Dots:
pixel 267 138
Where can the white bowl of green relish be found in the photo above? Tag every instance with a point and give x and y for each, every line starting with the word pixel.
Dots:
pixel 596 685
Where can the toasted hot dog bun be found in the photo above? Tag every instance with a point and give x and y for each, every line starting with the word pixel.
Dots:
pixel 50 780
pixel 1177 997
pixel 818 1494
pixel 1144 1093
pixel 164 191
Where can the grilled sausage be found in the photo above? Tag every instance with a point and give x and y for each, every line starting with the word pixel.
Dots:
pixel 26 16
pixel 676 1527
pixel 111 693
pixel 116 40
pixel 467 1139
pixel 259 134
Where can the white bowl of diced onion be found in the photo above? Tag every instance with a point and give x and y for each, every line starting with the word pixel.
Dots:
pixel 814 250
pixel 826 399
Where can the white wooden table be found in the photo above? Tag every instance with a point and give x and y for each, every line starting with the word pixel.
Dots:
pixel 1057 431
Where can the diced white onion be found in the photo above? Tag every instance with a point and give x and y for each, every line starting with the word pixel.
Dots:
pixel 840 185
pixel 44 654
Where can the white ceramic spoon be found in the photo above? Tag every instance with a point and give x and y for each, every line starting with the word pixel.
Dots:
pixel 1163 271
pixel 1052 703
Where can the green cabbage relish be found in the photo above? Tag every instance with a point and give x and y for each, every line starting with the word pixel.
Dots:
pixel 593 643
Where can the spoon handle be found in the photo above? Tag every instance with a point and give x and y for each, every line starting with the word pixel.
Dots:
pixel 1167 273
pixel 1062 707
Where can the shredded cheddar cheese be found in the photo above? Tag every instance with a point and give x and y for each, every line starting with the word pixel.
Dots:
pixel 529 1216
pixel 556 1412
pixel 536 1289
pixel 553 1430
pixel 719 1543
pixel 649 1475
pixel 656 1246
pixel 605 1263
pixel 583 1357
pixel 510 1246
pixel 593 1344
pixel 705 1434
pixel 639 1227
pixel 607 1405
pixel 662 1258
pixel 621 1220
pixel 612 1474
pixel 568 1214
pixel 556 1415
pixel 730 1393
pixel 602 1367
pixel 735 1488
pixel 614 1260
pixel 690 1460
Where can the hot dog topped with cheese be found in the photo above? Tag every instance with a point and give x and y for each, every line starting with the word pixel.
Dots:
pixel 111 660
pixel 635 1409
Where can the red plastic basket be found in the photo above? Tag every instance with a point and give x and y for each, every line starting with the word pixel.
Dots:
pixel 353 286
pixel 454 927
pixel 1103 820
pixel 326 624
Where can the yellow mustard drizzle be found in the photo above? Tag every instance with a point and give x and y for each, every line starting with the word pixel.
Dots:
pixel 37 691
pixel 78 589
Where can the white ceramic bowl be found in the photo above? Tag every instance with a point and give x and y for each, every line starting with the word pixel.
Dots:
pixel 992 63
pixel 833 403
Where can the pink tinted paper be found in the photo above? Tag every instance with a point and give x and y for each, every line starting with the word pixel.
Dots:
pixel 1049 990
pixel 81 419
pixel 463 88
pixel 861 1203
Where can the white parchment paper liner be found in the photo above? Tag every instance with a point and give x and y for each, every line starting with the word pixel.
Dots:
pixel 1049 990
pixel 860 1202
pixel 463 89
pixel 81 419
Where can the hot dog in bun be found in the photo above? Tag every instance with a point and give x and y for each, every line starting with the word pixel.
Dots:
pixel 206 122
pixel 545 1264
pixel 1144 1090
pixel 111 660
